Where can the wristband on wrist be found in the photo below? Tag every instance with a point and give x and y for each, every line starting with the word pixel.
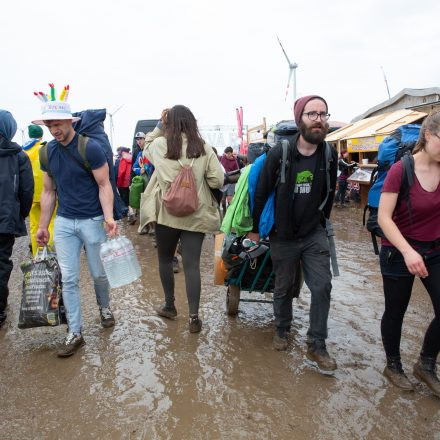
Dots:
pixel 111 219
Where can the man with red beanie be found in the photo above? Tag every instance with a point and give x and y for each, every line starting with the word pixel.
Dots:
pixel 299 231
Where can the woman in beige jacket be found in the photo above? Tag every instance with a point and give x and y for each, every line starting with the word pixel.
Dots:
pixel 177 138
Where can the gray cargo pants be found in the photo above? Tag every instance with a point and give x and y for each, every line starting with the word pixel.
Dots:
pixel 313 251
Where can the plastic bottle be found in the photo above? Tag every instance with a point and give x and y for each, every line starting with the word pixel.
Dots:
pixel 119 260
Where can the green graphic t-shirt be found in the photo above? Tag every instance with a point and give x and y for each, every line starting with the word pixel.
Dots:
pixel 304 169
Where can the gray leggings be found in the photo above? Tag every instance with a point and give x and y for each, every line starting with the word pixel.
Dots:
pixel 191 243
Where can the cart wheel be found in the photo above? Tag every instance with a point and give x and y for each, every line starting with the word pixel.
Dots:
pixel 232 299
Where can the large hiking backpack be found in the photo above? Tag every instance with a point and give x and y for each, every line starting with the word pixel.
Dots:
pixel 91 125
pixel 285 130
pixel 397 146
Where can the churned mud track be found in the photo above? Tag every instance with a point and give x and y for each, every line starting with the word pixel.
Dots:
pixel 151 379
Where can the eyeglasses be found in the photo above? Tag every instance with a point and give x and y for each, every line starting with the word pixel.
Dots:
pixel 313 116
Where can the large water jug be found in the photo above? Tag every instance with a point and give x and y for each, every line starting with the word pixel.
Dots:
pixel 134 263
pixel 119 260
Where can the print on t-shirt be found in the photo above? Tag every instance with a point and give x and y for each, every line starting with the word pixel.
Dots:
pixel 304 181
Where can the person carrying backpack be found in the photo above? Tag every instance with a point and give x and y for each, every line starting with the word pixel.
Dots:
pixel 32 149
pixel 84 215
pixel 180 202
pixel 16 193
pixel 411 247
pixel 302 205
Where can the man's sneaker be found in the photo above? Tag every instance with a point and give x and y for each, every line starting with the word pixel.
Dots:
pixel 176 265
pixel 280 339
pixel 131 219
pixel 395 374
pixel 195 324
pixel 2 318
pixel 70 345
pixel 317 352
pixel 425 371
pixel 166 311
pixel 107 318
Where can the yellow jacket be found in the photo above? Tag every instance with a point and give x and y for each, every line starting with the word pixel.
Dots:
pixel 33 153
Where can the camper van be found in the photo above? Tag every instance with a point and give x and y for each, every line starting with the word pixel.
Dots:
pixel 145 125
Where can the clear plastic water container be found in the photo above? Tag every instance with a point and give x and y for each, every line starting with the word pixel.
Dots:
pixel 120 262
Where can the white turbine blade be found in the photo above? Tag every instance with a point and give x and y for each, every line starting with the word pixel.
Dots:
pixel 282 48
pixel 119 108
pixel 288 83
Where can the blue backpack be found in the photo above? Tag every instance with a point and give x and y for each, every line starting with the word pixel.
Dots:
pixel 397 146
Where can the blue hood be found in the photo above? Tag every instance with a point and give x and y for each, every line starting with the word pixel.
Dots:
pixel 8 126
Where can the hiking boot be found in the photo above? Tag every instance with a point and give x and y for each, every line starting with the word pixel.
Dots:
pixel 131 219
pixel 107 318
pixel 2 318
pixel 317 352
pixel 167 311
pixel 70 345
pixel 176 265
pixel 395 374
pixel 280 339
pixel 425 371
pixel 195 324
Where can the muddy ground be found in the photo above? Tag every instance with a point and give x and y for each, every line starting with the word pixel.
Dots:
pixel 151 379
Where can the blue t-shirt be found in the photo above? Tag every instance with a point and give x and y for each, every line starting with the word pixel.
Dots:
pixel 77 190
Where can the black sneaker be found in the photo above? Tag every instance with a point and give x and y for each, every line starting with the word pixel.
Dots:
pixel 70 345
pixel 3 317
pixel 317 352
pixel 107 318
pixel 166 311
pixel 195 324
pixel 280 339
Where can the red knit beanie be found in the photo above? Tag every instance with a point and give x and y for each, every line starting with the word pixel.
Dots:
pixel 300 103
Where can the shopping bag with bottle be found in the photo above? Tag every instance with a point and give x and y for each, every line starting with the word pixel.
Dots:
pixel 41 302
pixel 120 261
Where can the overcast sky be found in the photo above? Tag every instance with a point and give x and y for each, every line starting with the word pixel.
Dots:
pixel 214 56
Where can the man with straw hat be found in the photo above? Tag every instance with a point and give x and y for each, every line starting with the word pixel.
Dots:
pixel 84 213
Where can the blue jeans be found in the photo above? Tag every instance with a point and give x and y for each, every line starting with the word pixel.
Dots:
pixel 313 251
pixel 70 235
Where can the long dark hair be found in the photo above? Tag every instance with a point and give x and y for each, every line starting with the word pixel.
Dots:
pixel 180 120
pixel 431 124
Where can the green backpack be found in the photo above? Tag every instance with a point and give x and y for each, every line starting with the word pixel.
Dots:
pixel 137 187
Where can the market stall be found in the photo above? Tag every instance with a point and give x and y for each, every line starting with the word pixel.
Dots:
pixel 362 139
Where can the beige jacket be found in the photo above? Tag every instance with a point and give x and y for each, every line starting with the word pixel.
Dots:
pixel 207 173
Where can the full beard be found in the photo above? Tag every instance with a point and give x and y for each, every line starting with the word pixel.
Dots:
pixel 311 136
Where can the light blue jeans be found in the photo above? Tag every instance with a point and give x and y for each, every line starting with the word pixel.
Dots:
pixel 70 235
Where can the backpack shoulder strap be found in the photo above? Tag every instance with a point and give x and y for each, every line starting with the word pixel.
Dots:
pixel 328 160
pixel 285 146
pixel 82 146
pixel 408 172
pixel 44 159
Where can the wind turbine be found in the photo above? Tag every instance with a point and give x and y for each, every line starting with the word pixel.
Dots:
pixel 292 70
pixel 111 123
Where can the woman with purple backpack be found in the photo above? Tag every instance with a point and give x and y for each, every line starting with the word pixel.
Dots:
pixel 175 148
pixel 412 248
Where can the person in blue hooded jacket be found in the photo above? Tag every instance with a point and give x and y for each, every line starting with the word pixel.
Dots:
pixel 16 194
